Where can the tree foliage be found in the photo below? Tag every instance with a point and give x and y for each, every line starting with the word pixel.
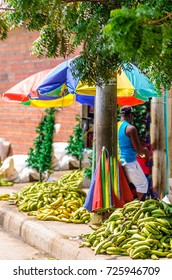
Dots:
pixel 144 34
pixel 111 33
pixel 76 143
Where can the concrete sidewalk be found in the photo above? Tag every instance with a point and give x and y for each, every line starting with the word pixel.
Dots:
pixel 58 239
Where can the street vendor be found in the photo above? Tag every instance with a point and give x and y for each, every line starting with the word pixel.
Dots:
pixel 129 146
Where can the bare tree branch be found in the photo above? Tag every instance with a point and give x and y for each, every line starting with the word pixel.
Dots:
pixel 7 9
pixel 155 22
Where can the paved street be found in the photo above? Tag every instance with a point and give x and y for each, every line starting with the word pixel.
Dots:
pixel 13 248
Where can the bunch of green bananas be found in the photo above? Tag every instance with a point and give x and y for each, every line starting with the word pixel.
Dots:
pixel 63 207
pixel 5 182
pixel 138 230
pixel 81 216
pixel 4 196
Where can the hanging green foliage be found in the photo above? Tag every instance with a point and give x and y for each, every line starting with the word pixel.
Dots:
pixel 112 32
pixel 140 120
pixel 40 156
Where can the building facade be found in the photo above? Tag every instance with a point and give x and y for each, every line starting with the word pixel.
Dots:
pixel 18 122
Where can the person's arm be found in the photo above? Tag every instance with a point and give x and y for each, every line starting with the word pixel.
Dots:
pixel 131 131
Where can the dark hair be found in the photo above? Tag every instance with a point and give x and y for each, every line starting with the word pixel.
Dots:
pixel 126 110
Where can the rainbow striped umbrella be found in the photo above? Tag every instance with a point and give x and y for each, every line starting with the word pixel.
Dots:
pixel 57 87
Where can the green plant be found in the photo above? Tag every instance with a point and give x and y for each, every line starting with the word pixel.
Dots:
pixel 41 155
pixel 88 170
pixel 76 143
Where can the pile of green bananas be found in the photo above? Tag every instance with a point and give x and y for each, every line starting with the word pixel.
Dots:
pixel 64 192
pixel 61 200
pixel 138 230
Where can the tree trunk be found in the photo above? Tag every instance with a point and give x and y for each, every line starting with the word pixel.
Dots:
pixel 157 130
pixel 106 119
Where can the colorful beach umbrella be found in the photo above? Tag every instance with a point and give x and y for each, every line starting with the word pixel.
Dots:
pixel 54 88
pixel 109 187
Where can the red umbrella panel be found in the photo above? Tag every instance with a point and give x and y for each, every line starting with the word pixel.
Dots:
pixel 20 91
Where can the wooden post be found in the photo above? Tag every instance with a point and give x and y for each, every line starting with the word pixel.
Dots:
pixel 157 133
pixel 170 130
pixel 94 141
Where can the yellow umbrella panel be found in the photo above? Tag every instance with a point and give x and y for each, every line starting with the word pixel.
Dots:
pixel 64 101
pixel 124 87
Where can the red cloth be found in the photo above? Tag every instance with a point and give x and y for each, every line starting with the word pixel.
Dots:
pixel 146 169
pixel 118 203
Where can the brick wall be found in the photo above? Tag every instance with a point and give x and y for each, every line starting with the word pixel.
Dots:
pixel 18 122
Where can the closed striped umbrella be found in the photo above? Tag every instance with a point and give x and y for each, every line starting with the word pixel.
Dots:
pixel 109 187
